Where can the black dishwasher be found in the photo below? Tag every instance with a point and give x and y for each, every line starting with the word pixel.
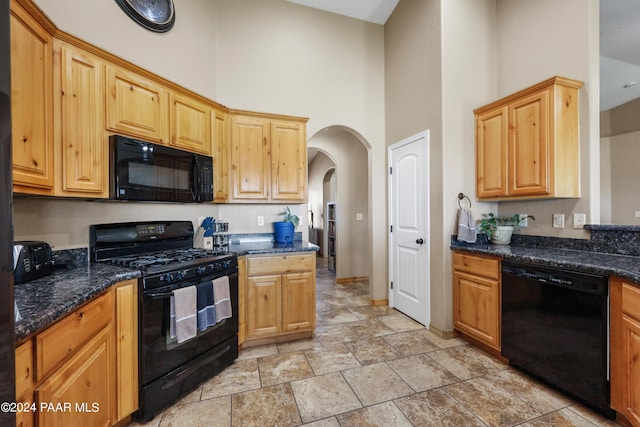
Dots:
pixel 555 328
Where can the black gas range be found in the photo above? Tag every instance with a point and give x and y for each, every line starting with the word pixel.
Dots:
pixel 163 251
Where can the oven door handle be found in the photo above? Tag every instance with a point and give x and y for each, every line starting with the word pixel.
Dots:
pixel 160 295
pixel 190 370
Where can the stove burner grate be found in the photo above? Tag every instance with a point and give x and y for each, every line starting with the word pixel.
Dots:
pixel 176 256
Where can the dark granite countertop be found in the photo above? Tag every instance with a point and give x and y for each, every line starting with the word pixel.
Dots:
pixel 607 264
pixel 75 281
pixel 44 301
pixel 264 243
pixel 270 247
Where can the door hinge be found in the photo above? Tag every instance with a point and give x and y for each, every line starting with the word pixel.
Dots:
pixel 390 170
pixel 391 285
pixel 391 228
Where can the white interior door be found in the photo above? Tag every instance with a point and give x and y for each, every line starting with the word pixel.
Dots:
pixel 408 213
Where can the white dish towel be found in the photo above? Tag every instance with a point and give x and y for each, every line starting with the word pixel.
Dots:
pixel 466 226
pixel 186 312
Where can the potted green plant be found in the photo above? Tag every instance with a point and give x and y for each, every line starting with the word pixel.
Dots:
pixel 284 230
pixel 500 229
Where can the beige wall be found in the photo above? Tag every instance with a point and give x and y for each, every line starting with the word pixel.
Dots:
pixel 281 57
pixel 534 44
pixel 185 55
pixel 624 152
pixel 440 65
pixel 619 154
pixel 261 55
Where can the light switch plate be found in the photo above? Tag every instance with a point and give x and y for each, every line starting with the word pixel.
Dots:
pixel 579 220
pixel 558 220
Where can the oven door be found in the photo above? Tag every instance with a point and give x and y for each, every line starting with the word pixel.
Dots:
pixel 160 354
pixel 145 171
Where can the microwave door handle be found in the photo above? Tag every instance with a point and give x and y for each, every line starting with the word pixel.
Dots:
pixel 194 178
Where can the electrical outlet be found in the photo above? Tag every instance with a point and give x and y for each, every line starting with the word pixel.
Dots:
pixel 579 220
pixel 260 221
pixel 359 217
pixel 637 214
pixel 524 222
pixel 558 220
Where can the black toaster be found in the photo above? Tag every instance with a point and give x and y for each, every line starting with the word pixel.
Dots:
pixel 31 260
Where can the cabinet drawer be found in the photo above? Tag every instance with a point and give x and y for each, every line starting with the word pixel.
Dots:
pixel 61 340
pixel 479 265
pixel 631 301
pixel 280 264
pixel 24 368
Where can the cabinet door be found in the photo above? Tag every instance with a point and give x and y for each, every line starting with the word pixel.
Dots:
pixel 190 124
pixel 288 162
pixel 242 299
pixel 220 152
pixel 31 104
pixel 491 156
pixel 24 368
pixel 85 154
pixel 625 349
pixel 631 354
pixel 86 382
pixel 136 106
pixel 476 307
pixel 126 316
pixel 264 308
pixel 250 164
pixel 529 145
pixel 298 301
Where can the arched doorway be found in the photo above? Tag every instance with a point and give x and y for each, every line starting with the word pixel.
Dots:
pixel 341 153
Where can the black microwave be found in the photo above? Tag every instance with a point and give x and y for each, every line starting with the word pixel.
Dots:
pixel 151 172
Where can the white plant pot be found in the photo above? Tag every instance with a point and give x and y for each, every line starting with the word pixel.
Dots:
pixel 502 235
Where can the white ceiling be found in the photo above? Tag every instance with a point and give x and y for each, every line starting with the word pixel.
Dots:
pixel 376 11
pixel 619 52
pixel 619 40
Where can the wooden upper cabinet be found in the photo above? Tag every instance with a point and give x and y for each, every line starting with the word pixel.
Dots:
pixel 31 103
pixel 491 139
pixel 527 144
pixel 136 106
pixel 268 159
pixel 250 158
pixel 288 161
pixel 220 152
pixel 79 98
pixel 190 124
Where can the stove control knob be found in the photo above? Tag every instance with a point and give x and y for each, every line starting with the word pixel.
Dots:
pixel 181 274
pixel 201 270
pixel 168 278
pixel 217 267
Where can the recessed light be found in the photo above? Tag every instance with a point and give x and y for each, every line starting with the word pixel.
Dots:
pixel 628 85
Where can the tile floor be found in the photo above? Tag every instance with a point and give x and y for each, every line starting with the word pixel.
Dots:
pixel 371 366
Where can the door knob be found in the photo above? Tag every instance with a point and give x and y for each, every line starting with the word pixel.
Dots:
pixel 420 241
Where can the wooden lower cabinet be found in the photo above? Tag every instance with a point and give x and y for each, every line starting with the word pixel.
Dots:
pixel 625 348
pixel 280 299
pixel 24 385
pixel 126 332
pixel 476 298
pixel 86 364
pixel 84 387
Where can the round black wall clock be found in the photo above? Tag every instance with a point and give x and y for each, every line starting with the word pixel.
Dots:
pixel 154 15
